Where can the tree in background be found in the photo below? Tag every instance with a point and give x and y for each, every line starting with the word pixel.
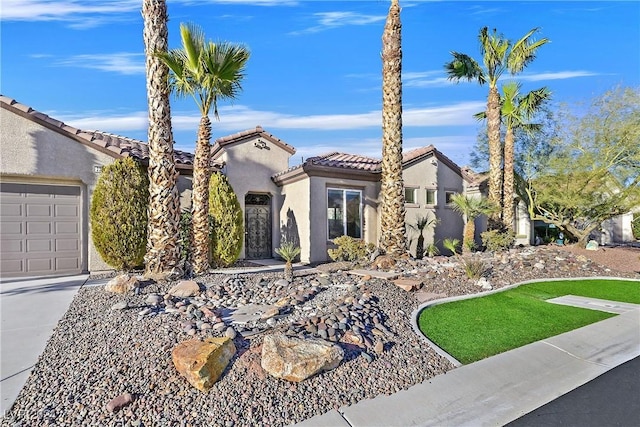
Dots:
pixel 470 208
pixel 392 213
pixel 593 171
pixel 207 72
pixel 119 214
pixel 163 248
pixel 498 55
pixel 227 234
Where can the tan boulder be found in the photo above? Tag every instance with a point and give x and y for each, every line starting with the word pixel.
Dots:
pixel 184 289
pixel 408 284
pixel 384 262
pixel 203 362
pixel 296 359
pixel 122 284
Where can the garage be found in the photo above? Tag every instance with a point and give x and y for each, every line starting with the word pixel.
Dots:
pixel 40 229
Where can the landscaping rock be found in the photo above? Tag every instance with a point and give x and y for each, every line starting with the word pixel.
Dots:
pixel 592 245
pixel 295 359
pixel 119 402
pixel 184 289
pixel 408 284
pixel 203 362
pixel 121 284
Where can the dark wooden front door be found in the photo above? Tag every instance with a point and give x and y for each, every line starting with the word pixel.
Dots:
pixel 258 226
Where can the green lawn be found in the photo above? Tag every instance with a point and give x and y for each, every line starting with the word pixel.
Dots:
pixel 476 328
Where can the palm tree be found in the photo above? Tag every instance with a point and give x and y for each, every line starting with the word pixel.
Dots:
pixel 422 222
pixel 163 249
pixel 498 55
pixel 207 72
pixel 516 111
pixel 392 227
pixel 470 208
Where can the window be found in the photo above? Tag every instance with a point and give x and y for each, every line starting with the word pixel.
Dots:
pixel 447 196
pixel 344 213
pixel 410 195
pixel 432 198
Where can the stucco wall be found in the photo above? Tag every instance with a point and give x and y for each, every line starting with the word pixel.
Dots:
pixel 249 170
pixel 295 216
pixel 430 173
pixel 34 153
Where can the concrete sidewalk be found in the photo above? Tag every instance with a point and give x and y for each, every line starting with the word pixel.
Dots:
pixel 30 310
pixel 502 388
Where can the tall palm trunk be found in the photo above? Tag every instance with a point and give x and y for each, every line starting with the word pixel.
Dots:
pixel 508 186
pixel 392 226
pixel 200 198
pixel 495 154
pixel 163 251
pixel 469 235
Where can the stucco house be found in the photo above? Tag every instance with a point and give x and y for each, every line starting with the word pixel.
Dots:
pixel 48 171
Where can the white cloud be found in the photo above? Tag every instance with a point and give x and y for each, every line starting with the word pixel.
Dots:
pixel 122 62
pixel 556 75
pixel 328 20
pixel 68 10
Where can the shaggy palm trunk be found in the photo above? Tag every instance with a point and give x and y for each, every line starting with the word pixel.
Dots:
pixel 508 185
pixel 495 155
pixel 288 271
pixel 392 226
pixel 420 247
pixel 200 199
pixel 163 250
pixel 469 235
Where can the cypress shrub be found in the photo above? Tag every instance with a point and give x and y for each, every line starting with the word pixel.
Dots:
pixel 227 222
pixel 119 214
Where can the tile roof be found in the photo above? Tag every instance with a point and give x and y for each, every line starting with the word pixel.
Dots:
pixel 422 152
pixel 115 145
pixel 246 134
pixel 345 161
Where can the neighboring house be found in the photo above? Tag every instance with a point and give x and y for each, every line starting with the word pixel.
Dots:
pixel 48 171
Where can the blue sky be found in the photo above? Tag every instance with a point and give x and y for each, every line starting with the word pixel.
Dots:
pixel 314 76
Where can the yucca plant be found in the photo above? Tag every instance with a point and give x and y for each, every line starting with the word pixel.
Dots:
pixel 288 251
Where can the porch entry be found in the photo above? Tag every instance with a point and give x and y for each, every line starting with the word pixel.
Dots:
pixel 257 220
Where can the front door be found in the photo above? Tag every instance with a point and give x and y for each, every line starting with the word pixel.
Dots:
pixel 258 226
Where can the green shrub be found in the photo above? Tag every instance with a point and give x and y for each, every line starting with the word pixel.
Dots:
pixel 289 251
pixel 432 249
pixel 498 240
pixel 635 226
pixel 119 214
pixel 227 222
pixel 350 249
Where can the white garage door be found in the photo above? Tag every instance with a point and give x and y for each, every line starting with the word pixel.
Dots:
pixel 40 229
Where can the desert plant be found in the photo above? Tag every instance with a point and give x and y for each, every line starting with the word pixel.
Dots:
pixel 226 221
pixel 498 240
pixel 470 208
pixel 432 249
pixel 350 249
pixel 635 226
pixel 474 268
pixel 422 222
pixel 119 214
pixel 288 251
pixel 451 245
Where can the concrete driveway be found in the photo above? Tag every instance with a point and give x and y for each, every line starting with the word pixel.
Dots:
pixel 30 309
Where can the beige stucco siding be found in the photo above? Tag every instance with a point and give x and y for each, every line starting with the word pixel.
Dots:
pixel 295 216
pixel 33 153
pixel 249 169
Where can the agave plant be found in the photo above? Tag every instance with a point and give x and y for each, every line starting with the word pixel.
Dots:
pixel 288 251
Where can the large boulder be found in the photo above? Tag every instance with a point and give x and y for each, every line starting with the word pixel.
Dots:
pixel 122 284
pixel 203 362
pixel 296 359
pixel 184 289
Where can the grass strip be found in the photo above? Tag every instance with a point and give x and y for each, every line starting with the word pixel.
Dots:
pixel 473 329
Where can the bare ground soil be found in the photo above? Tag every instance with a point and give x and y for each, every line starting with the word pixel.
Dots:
pixel 620 258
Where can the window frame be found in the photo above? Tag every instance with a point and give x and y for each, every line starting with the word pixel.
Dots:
pixel 345 218
pixel 435 197
pixel 447 196
pixel 413 203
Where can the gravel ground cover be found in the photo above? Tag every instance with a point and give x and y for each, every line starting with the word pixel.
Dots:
pixel 98 352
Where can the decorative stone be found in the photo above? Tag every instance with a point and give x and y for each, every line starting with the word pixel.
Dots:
pixel 378 347
pixel 384 262
pixel 119 402
pixel 203 362
pixel 121 284
pixel 269 313
pixel 296 359
pixel 120 306
pixel 184 289
pixel 230 333
pixel 484 284
pixel 592 245
pixel 154 299
pixel 408 284
pixel 539 265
